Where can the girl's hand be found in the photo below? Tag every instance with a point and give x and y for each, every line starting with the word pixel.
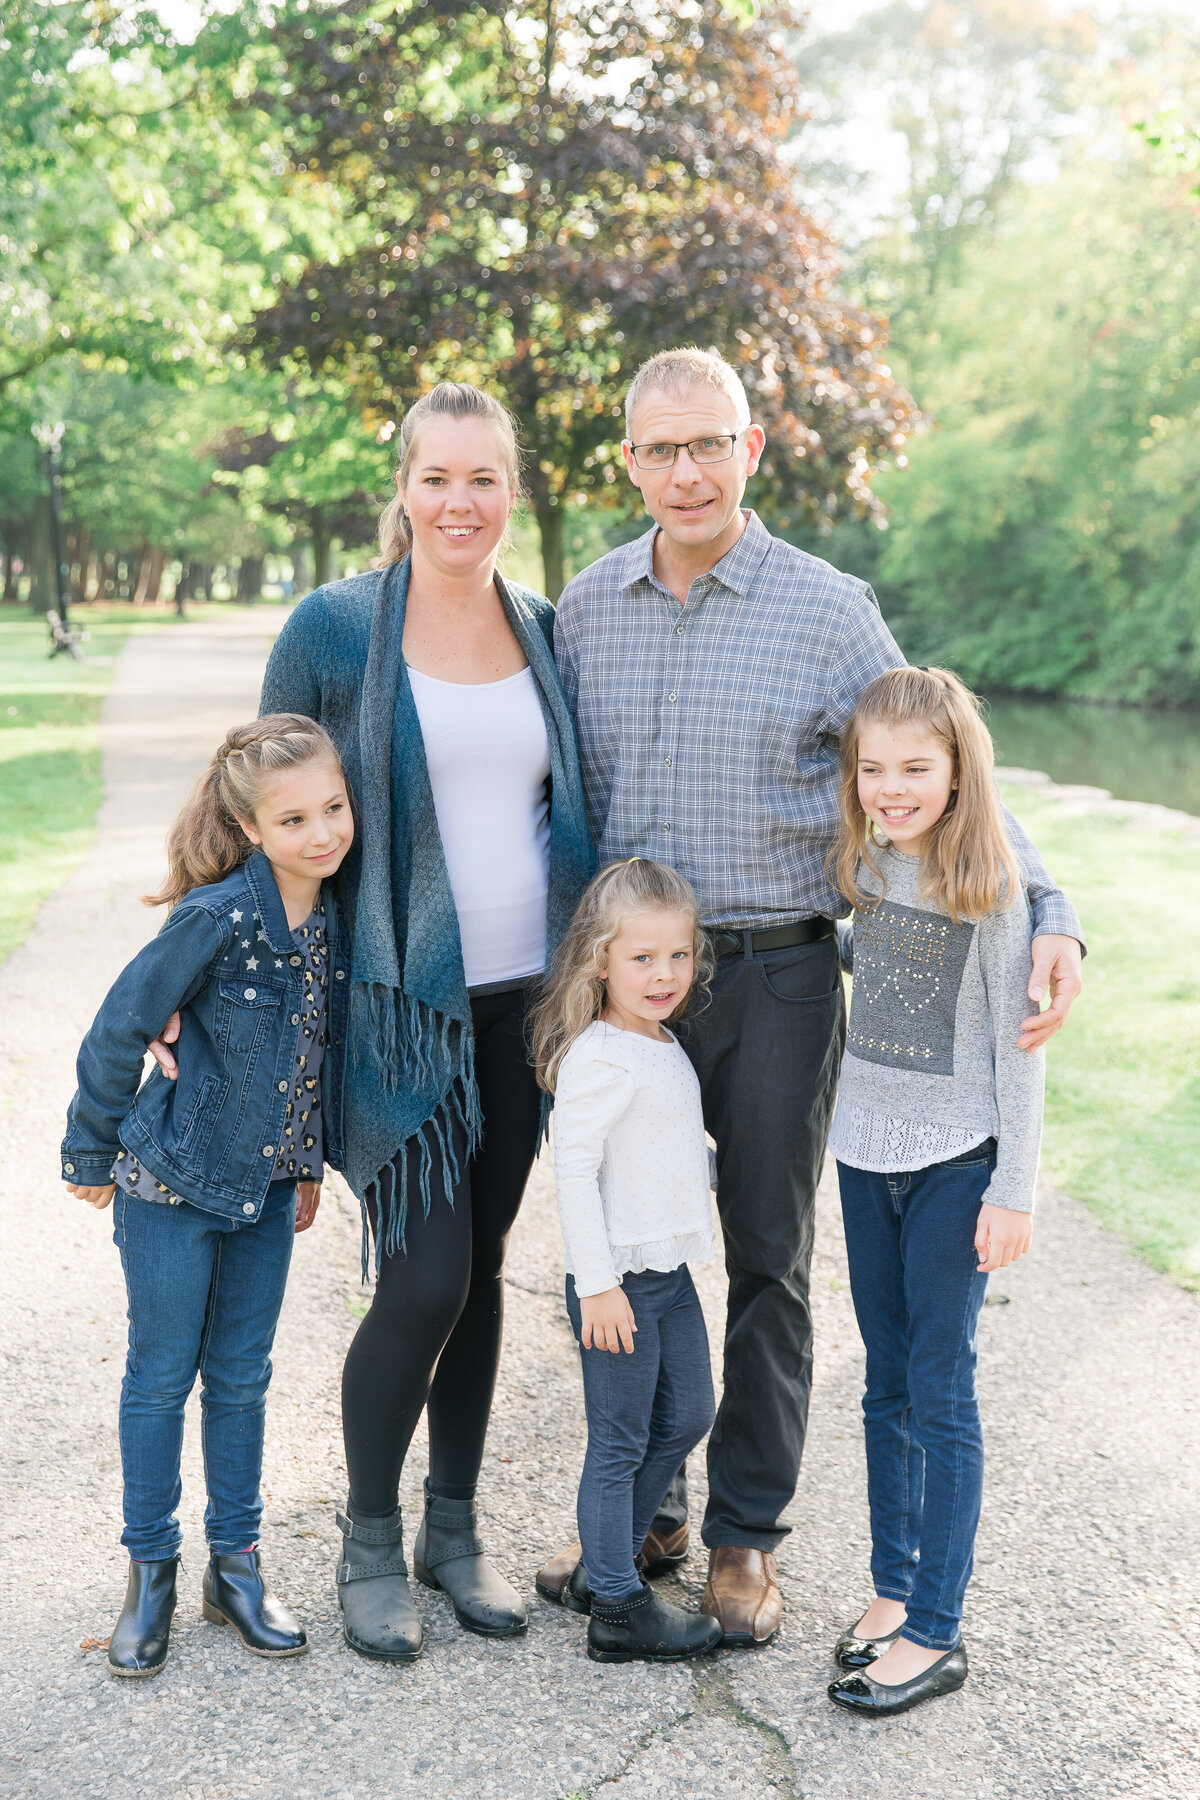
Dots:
pixel 607 1322
pixel 160 1053
pixel 1001 1236
pixel 308 1198
pixel 99 1197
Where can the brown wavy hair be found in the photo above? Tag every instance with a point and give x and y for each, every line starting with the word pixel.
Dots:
pixel 970 867
pixel 206 843
pixel 573 994
pixel 448 400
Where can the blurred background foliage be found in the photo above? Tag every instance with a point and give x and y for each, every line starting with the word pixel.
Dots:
pixel 953 245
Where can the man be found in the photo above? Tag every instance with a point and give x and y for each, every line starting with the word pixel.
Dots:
pixel 710 668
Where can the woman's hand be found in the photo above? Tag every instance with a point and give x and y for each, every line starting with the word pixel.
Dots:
pixel 160 1053
pixel 607 1322
pixel 308 1198
pixel 99 1197
pixel 1001 1236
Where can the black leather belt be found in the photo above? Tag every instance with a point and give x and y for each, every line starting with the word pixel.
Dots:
pixel 778 937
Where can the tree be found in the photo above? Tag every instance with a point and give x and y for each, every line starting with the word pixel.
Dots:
pixel 545 193
pixel 1047 534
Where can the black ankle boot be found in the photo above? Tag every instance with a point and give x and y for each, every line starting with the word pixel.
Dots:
pixel 236 1594
pixel 577 1595
pixel 142 1634
pixel 646 1628
pixel 379 1618
pixel 448 1554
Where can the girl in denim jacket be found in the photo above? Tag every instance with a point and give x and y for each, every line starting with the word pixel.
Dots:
pixel 215 1171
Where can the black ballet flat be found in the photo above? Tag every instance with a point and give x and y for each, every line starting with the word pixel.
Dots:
pixel 854 1652
pixel 857 1693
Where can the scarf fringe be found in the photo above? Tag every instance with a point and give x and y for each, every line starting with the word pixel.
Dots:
pixel 457 1118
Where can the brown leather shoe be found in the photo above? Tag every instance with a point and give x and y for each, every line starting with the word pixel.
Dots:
pixel 552 1580
pixel 661 1554
pixel 664 1551
pixel 742 1594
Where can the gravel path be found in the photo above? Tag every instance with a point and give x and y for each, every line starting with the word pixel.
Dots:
pixel 1083 1620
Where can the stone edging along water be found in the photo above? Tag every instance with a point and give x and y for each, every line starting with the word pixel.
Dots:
pixel 1142 814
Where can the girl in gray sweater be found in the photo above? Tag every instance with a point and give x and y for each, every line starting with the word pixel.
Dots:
pixel 936 1136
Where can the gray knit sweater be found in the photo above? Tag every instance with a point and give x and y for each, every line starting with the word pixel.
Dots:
pixel 934 1021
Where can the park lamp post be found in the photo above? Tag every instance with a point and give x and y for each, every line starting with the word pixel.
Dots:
pixel 50 437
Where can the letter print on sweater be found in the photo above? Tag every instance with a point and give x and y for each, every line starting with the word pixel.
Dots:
pixel 908 969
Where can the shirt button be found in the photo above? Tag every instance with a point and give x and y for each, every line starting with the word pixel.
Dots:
pixel 248 1206
pixel 295 961
pixel 671 698
pixel 283 1087
pixel 679 631
pixel 667 761
pixel 268 1149
pixel 666 828
pixel 250 994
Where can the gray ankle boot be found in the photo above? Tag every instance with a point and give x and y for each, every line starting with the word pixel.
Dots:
pixel 448 1554
pixel 379 1618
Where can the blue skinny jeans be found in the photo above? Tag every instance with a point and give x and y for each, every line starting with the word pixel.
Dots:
pixel 917 1294
pixel 645 1411
pixel 204 1298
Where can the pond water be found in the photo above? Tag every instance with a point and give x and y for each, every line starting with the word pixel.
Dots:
pixel 1136 753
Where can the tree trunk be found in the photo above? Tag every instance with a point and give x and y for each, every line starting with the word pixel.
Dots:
pixel 322 547
pixel 10 573
pixel 250 573
pixel 550 528
pixel 158 563
pixel 142 591
pixel 42 595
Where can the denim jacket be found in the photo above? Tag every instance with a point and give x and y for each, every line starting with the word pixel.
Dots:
pixel 213 1135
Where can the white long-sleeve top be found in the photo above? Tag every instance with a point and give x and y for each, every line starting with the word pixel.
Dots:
pixel 631 1165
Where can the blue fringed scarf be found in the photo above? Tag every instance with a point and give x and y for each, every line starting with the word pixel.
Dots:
pixel 410 1088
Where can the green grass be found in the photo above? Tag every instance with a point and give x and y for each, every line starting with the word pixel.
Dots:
pixel 50 751
pixel 1123 1076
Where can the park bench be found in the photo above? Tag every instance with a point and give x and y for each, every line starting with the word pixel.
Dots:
pixel 63 638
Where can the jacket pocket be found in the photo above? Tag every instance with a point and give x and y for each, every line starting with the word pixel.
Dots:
pixel 198 1126
pixel 245 1011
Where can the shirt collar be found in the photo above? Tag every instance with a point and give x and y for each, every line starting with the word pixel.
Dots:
pixel 736 569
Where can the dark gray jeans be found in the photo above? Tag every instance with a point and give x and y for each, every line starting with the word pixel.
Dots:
pixel 767 1051
pixel 645 1411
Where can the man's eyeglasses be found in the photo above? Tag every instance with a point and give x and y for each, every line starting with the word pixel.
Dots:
pixel 701 450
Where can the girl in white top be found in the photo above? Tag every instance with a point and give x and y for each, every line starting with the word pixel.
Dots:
pixel 632 1175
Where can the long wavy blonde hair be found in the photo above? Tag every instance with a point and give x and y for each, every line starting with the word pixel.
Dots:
pixel 448 400
pixel 573 993
pixel 970 867
pixel 206 843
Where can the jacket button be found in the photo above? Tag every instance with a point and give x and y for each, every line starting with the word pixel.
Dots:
pixel 268 1149
pixel 283 1087
pixel 340 976
pixel 295 1018
pixel 69 1168
pixel 250 994
pixel 295 961
pixel 248 1206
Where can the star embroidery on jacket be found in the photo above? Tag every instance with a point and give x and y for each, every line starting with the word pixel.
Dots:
pixel 261 936
pixel 252 962
pixel 278 964
pixel 236 916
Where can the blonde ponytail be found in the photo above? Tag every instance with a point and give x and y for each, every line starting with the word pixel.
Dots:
pixel 206 843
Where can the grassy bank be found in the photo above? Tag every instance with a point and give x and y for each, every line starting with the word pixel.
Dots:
pixel 1123 1077
pixel 50 751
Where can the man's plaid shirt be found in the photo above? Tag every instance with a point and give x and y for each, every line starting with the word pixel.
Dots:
pixel 709 733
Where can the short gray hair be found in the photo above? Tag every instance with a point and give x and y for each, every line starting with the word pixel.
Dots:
pixel 675 372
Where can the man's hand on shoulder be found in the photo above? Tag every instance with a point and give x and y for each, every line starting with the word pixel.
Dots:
pixel 1057 968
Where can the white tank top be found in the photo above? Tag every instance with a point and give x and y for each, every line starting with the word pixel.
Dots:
pixel 489 766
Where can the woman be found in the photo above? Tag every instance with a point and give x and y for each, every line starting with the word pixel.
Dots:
pixel 436 681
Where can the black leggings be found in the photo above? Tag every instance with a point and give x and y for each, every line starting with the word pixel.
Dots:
pixel 432 1335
